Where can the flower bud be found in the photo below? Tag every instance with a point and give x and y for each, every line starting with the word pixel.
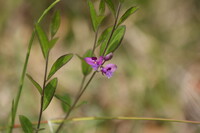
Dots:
pixel 108 56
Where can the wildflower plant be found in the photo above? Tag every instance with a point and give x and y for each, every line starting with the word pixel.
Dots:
pixel 106 43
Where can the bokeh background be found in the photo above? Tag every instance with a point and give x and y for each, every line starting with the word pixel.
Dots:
pixel 158 65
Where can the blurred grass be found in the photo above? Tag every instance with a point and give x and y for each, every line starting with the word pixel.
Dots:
pixel 162 39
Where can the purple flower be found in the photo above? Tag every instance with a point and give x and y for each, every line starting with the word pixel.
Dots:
pixel 95 62
pixel 108 56
pixel 108 70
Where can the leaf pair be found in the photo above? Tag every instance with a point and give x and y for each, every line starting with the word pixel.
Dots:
pixel 51 86
pixel 96 19
pixel 49 90
pixel 45 44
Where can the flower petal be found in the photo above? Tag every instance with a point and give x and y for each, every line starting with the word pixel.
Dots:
pixel 109 69
pixel 90 60
pixel 94 62
pixel 100 61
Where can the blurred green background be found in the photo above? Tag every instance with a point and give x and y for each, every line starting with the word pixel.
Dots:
pixel 158 65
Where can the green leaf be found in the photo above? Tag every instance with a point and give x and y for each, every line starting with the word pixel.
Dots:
pixel 26 124
pixel 104 36
pixel 39 88
pixel 49 92
pixel 53 42
pixel 61 61
pixel 65 101
pixel 55 23
pixel 111 6
pixel 114 42
pixel 44 42
pixel 102 7
pixel 86 69
pixel 96 20
pixel 127 14
pixel 93 15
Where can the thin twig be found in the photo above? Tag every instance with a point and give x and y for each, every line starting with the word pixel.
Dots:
pixel 95 40
pixel 43 89
pixel 113 29
pixel 111 118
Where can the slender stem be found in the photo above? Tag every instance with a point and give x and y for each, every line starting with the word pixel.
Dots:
pixel 42 96
pixel 127 118
pixel 111 118
pixel 95 40
pixel 114 27
pixel 21 83
pixel 12 122
pixel 82 83
pixel 75 102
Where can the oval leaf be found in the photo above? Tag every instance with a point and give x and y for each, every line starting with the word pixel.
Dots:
pixel 86 69
pixel 127 14
pixel 49 92
pixel 44 42
pixel 114 42
pixel 39 88
pixel 116 39
pixel 65 101
pixel 26 124
pixel 53 42
pixel 55 23
pixel 61 61
pixel 104 36
pixel 93 15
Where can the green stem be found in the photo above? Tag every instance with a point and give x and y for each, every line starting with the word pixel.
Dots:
pixel 95 40
pixel 12 122
pixel 126 118
pixel 42 96
pixel 75 102
pixel 110 118
pixel 82 83
pixel 113 29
